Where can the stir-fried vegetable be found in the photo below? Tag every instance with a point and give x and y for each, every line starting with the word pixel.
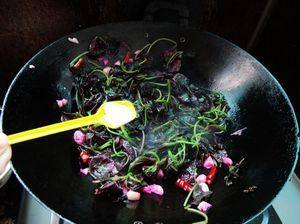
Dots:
pixel 177 131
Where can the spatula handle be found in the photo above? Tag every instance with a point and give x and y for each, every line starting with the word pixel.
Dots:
pixel 51 129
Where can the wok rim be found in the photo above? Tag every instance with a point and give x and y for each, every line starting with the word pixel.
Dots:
pixel 268 73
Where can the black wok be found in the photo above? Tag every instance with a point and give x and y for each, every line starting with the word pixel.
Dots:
pixel 48 167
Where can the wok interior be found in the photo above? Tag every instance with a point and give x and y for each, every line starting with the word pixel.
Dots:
pixel 49 166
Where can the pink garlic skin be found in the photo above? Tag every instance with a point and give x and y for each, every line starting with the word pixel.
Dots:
pixel 97 191
pixel 204 187
pixel 238 132
pixel 73 40
pixel 137 52
pixel 154 188
pixel 61 103
pixel 208 163
pixel 204 206
pixel 118 63
pixel 130 60
pixel 104 60
pixel 160 173
pixel 227 161
pixel 147 190
pixel 133 195
pixel 201 178
pixel 106 70
pixel 84 171
pixel 62 118
pixel 79 137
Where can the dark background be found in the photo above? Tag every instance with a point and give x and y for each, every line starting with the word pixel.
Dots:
pixel 268 29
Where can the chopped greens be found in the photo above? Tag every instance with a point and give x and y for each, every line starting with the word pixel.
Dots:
pixel 179 125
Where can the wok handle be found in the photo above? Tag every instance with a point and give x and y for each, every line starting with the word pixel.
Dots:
pixel 155 6
pixel 51 129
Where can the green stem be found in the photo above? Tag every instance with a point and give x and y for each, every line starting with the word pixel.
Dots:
pixel 113 132
pixel 198 136
pixel 173 136
pixel 159 93
pixel 102 73
pixel 145 117
pixel 161 39
pixel 147 45
pixel 187 207
pixel 205 221
pixel 153 153
pixel 195 127
pixel 143 141
pixel 95 64
pixel 130 176
pixel 159 84
pixel 182 151
pixel 140 98
pixel 130 86
pixel 126 82
pixel 125 133
pixel 118 79
pixel 178 142
pixel 105 145
pixel 177 53
pixel 119 154
pixel 169 90
pixel 161 126
pixel 142 62
pixel 114 148
pixel 108 81
pixel 188 196
pixel 127 71
pixel 77 58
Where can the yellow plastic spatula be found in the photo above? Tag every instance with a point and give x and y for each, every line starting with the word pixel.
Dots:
pixel 112 114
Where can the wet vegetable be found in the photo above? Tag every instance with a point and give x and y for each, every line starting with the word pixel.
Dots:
pixel 178 130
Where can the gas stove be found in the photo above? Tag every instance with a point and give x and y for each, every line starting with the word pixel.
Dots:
pixel 34 213
pixel 284 210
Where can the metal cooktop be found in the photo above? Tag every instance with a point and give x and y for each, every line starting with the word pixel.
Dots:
pixel 284 210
